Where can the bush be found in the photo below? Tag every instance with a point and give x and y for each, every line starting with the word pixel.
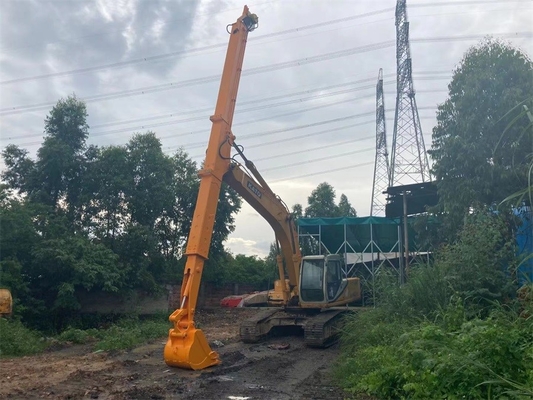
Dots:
pixel 452 331
pixel 78 336
pixel 17 340
pixel 131 332
pixel 481 359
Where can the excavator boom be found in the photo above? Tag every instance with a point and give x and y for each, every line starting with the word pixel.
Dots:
pixel 187 346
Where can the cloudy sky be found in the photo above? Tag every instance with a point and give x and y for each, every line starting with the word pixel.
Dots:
pixel 307 91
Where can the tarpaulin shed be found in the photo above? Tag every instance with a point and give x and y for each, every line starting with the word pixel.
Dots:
pixel 355 234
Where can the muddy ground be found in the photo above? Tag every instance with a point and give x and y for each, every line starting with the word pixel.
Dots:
pixel 247 371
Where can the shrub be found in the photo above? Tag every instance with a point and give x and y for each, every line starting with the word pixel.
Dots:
pixel 78 336
pixel 17 340
pixel 480 359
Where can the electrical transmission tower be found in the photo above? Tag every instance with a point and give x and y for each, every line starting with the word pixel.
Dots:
pixel 381 164
pixel 409 162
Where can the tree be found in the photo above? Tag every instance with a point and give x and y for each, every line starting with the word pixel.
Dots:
pixel 60 158
pixel 20 169
pixel 321 202
pixel 475 163
pixel 345 209
pixel 114 218
pixel 297 211
pixel 149 192
pixel 104 190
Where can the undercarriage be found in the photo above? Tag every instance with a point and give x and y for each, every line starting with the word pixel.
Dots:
pixel 320 327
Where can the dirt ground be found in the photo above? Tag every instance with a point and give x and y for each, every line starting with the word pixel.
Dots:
pixel 247 371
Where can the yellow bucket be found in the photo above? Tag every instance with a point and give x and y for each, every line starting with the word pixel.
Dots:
pixel 189 350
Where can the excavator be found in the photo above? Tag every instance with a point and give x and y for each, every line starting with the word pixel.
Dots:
pixel 316 293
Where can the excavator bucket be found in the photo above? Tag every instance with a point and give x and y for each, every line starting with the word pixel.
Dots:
pixel 189 350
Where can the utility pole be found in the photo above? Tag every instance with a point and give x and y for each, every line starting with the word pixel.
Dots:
pixel 409 162
pixel 381 164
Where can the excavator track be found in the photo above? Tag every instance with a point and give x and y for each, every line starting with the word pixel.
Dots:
pixel 322 330
pixel 256 328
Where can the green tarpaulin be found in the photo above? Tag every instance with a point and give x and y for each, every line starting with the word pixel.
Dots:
pixel 359 235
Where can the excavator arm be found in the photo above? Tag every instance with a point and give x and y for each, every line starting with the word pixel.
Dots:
pixel 187 346
pixel 259 195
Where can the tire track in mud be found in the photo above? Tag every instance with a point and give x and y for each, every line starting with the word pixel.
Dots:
pixel 259 372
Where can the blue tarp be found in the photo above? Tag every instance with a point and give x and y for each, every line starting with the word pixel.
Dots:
pixel 524 240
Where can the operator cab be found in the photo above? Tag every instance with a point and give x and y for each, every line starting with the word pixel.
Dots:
pixel 321 278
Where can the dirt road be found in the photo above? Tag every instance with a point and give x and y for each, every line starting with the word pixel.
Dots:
pixel 247 371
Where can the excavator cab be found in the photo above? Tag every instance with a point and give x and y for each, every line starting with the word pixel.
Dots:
pixel 322 279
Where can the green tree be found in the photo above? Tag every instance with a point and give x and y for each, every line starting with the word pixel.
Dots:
pixel 345 209
pixel 97 219
pixel 20 172
pixel 321 202
pixel 297 211
pixel 251 270
pixel 149 192
pixel 475 163
pixel 105 182
pixel 60 158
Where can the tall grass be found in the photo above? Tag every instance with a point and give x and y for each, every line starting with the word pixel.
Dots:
pixel 453 331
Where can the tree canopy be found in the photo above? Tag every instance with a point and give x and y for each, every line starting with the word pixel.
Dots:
pixel 482 139
pixel 111 218
pixel 321 203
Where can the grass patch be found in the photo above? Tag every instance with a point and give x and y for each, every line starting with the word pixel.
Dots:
pixel 132 332
pixel 126 333
pixel 17 340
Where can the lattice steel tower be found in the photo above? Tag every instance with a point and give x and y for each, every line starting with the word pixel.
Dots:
pixel 409 162
pixel 381 164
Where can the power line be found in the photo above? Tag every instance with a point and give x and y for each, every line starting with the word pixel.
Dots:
pixel 267 133
pixel 350 153
pixel 351 141
pixel 212 78
pixel 327 171
pixel 288 102
pixel 292 153
pixel 253 71
pixel 289 139
pixel 160 124
pixel 463 2
pixel 194 50
pixel 246 102
pixel 169 149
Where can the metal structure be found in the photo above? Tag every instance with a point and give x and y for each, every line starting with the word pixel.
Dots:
pixel 369 245
pixel 381 164
pixel 409 162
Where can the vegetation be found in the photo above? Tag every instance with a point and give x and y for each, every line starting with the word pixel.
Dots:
pixel 461 326
pixel 321 203
pixel 17 340
pixel 88 218
pixel 125 333
pixel 453 331
pixel 482 141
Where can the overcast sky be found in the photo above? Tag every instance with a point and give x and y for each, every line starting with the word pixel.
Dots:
pixel 155 65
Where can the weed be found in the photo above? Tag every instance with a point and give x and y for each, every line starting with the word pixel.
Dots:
pixel 17 340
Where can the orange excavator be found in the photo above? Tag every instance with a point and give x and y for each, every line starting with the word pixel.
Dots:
pixel 316 292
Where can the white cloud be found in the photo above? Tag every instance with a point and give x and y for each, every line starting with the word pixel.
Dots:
pixel 239 245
